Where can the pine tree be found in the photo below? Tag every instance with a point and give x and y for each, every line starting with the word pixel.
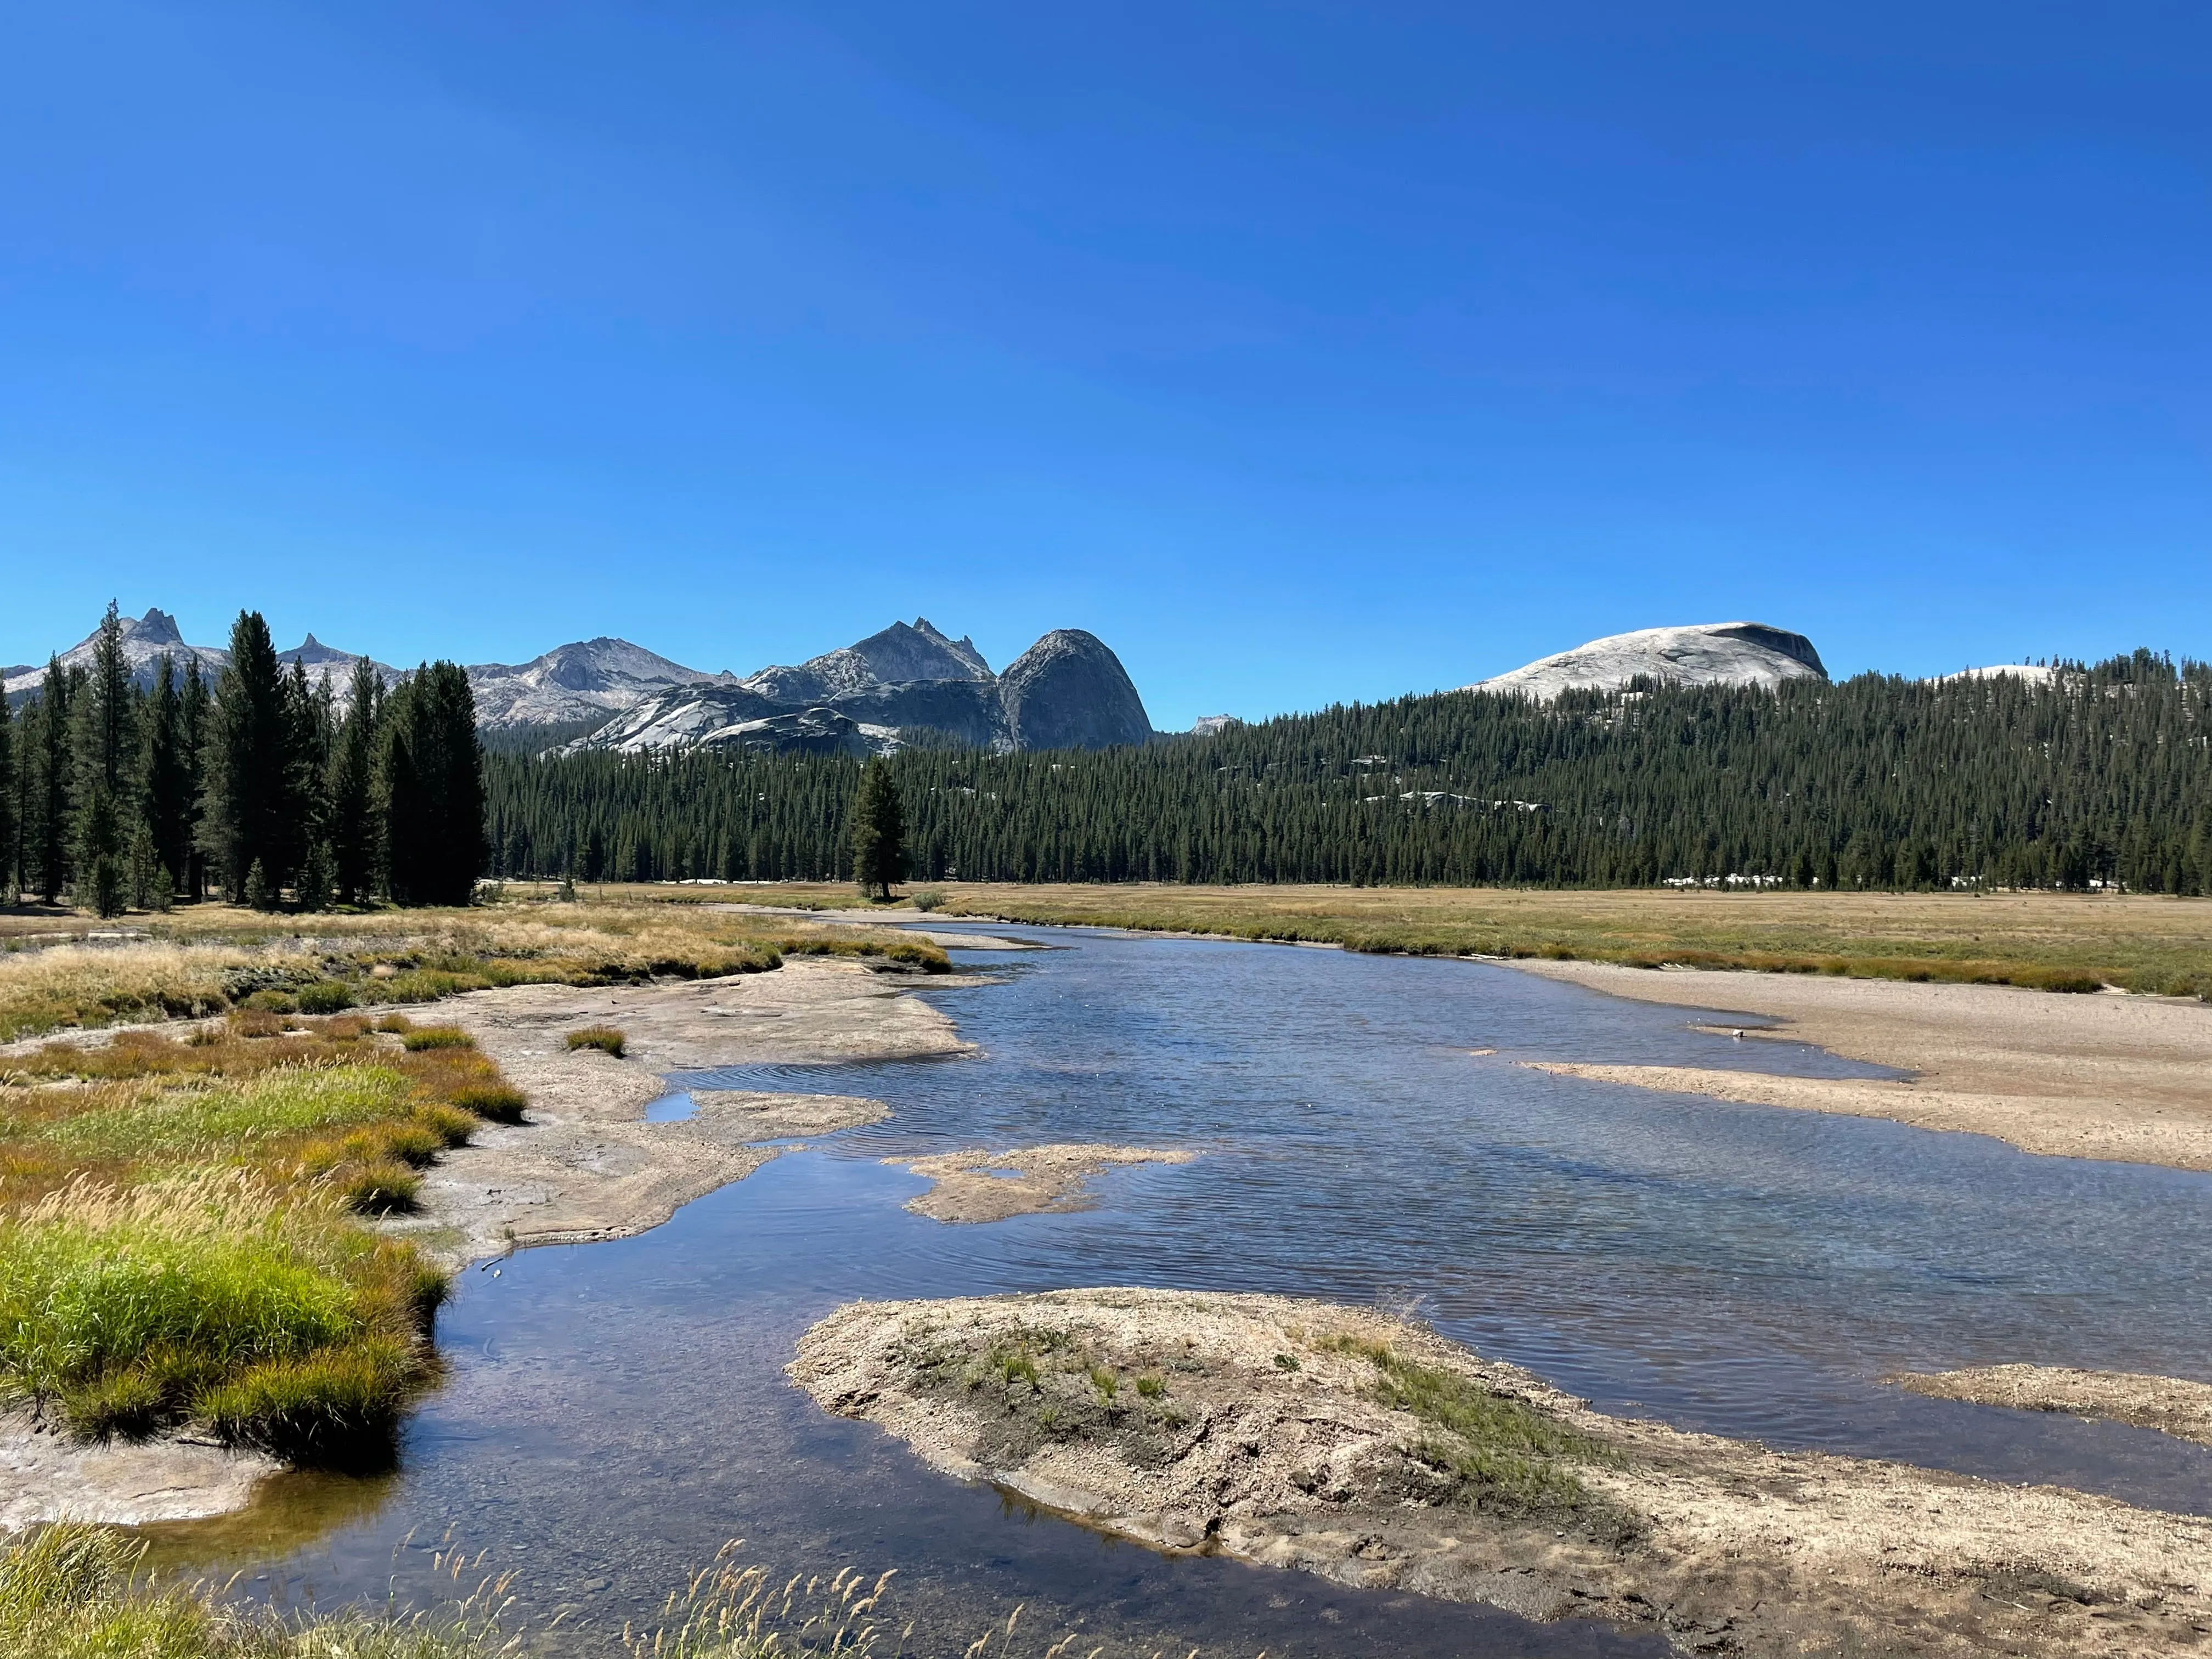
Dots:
pixel 432 789
pixel 192 733
pixel 10 848
pixel 879 859
pixel 251 814
pixel 167 783
pixel 46 759
pixel 351 790
pixel 104 793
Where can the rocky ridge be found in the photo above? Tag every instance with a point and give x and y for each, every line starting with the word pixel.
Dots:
pixel 909 682
pixel 148 639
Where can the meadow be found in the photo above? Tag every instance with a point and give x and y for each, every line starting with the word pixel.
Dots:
pixel 2042 940
pixel 57 972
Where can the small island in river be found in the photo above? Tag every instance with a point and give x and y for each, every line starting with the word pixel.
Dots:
pixel 1364 1448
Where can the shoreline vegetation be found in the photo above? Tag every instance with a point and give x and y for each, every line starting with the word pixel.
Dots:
pixel 212 959
pixel 2071 942
pixel 224 1239
pixel 1365 1448
pixel 181 1236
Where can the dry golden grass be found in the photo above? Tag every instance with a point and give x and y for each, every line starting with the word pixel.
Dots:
pixel 2058 941
pixel 212 958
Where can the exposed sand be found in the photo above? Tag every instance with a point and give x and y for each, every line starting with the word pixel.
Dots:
pixel 2171 1405
pixel 1295 1462
pixel 587 1166
pixel 982 1186
pixel 46 1475
pixel 776 1117
pixel 2121 1078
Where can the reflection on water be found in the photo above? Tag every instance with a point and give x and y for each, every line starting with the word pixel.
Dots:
pixel 617 1411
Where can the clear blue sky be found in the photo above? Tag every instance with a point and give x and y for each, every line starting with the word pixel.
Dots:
pixel 1301 352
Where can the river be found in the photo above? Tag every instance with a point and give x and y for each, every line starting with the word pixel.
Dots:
pixel 616 1413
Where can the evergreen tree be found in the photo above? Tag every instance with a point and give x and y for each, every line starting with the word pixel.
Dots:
pixel 351 789
pixel 46 760
pixel 166 786
pixel 195 705
pixel 432 789
pixel 10 848
pixel 251 812
pixel 880 857
pixel 105 795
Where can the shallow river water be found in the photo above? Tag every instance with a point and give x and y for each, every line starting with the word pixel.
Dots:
pixel 617 1412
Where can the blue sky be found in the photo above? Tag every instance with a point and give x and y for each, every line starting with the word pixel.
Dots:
pixel 1302 353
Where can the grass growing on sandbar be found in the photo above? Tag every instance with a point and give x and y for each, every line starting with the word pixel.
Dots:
pixel 605 1038
pixel 179 1240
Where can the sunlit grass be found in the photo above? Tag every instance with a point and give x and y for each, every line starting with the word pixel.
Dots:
pixel 211 959
pixel 76 1592
pixel 176 1236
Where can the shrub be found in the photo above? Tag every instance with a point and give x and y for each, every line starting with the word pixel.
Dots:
pixel 605 1038
pixel 928 899
pixel 324 996
pixel 415 1039
pixel 273 1002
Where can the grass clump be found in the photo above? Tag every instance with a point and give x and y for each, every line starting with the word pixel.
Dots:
pixel 1504 1455
pixel 71 1591
pixel 605 1038
pixel 416 1038
pixel 176 1239
pixel 134 1308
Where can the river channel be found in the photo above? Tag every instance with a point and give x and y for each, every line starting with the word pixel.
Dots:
pixel 616 1413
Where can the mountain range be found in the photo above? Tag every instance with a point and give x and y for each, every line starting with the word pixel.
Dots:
pixel 912 684
pixel 908 682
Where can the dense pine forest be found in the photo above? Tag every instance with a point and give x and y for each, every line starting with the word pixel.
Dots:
pixel 2102 776
pixel 261 787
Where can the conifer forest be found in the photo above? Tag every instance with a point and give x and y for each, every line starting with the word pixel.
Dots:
pixel 2101 776
pixel 260 787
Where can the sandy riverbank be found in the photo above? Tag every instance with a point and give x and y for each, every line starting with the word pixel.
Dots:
pixel 587 1165
pixel 2118 1077
pixel 974 1185
pixel 1266 1428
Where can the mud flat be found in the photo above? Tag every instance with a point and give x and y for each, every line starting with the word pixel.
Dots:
pixel 2124 1078
pixel 1341 1442
pixel 983 1186
pixel 2172 1405
pixel 587 1165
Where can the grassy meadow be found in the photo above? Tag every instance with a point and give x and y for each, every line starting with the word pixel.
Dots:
pixel 57 973
pixel 2044 941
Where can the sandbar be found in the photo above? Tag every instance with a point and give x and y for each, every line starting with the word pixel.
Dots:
pixel 1264 1430
pixel 2113 1077
pixel 975 1185
pixel 2172 1405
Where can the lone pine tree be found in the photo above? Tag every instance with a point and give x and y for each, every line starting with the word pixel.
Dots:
pixel 879 831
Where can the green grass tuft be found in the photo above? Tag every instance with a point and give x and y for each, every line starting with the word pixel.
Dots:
pixel 605 1038
pixel 417 1038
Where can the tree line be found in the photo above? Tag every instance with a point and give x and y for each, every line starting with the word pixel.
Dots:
pixel 260 787
pixel 2100 775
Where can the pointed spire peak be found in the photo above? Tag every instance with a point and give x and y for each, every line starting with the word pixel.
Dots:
pixel 156 627
pixel 310 643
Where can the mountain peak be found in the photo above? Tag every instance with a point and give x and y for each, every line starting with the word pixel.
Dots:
pixel 1700 654
pixel 154 628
